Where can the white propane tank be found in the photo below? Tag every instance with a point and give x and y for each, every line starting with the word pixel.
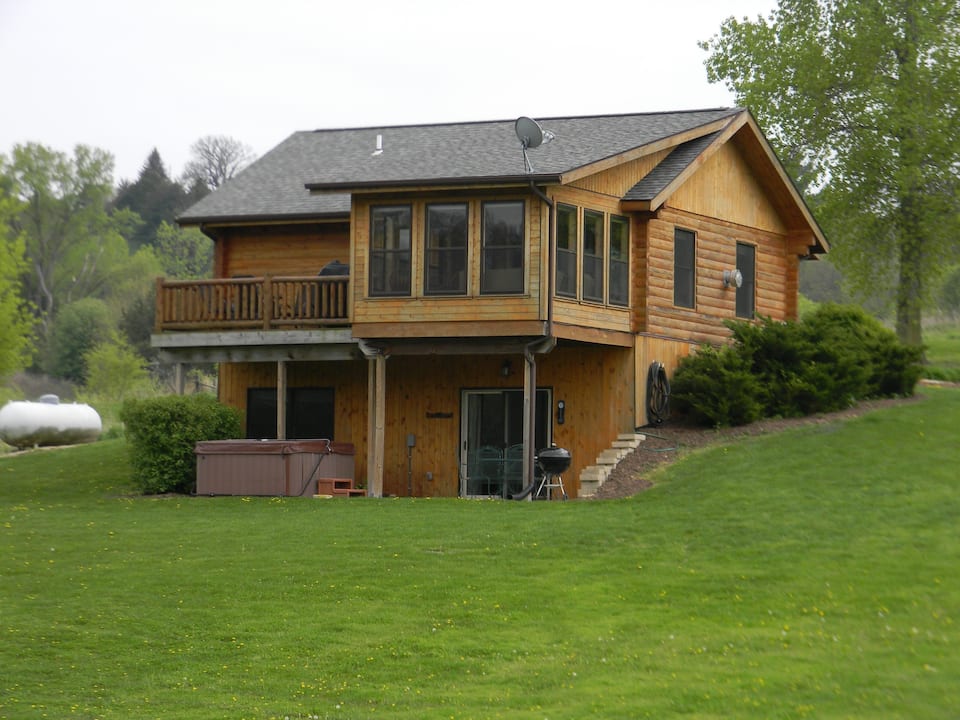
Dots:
pixel 25 424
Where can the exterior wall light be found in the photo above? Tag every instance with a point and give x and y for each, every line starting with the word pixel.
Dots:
pixel 732 277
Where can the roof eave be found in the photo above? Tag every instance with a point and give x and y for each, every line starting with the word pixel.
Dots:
pixel 373 185
pixel 197 220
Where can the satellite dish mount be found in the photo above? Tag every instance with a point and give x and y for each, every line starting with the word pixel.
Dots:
pixel 530 135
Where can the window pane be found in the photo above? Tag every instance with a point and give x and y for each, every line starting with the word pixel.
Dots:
pixel 501 269
pixel 593 255
pixel 619 260
pixel 566 250
pixel 746 293
pixel 684 254
pixel 390 251
pixel 446 250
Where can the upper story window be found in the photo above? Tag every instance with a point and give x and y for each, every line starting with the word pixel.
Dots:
pixel 593 243
pixel 501 268
pixel 445 256
pixel 684 268
pixel 566 250
pixel 390 250
pixel 746 293
pixel 619 260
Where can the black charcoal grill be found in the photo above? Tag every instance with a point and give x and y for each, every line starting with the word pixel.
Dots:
pixel 553 461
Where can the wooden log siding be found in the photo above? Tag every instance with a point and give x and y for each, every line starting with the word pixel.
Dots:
pixel 262 303
pixel 716 252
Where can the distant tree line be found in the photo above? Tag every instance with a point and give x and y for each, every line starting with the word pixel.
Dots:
pixel 79 256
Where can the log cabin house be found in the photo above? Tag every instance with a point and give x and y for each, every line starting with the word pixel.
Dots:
pixel 448 300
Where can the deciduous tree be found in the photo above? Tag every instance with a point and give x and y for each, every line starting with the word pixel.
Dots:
pixel 215 159
pixel 860 99
pixel 71 239
pixel 16 322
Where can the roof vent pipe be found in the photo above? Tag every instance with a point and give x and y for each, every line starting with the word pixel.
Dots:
pixel 379 150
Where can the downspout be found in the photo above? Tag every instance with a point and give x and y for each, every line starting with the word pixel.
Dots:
pixel 544 344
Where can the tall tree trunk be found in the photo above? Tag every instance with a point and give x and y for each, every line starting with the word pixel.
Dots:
pixel 910 288
pixel 910 226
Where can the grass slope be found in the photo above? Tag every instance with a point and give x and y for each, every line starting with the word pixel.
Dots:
pixel 809 574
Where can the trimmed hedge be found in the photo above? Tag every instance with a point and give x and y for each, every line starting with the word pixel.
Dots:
pixel 162 433
pixel 834 357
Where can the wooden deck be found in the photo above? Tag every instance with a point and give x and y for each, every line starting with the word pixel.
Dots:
pixel 263 303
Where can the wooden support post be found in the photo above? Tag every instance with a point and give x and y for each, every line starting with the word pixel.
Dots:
pixel 529 416
pixel 380 363
pixel 281 399
pixel 178 378
pixel 376 421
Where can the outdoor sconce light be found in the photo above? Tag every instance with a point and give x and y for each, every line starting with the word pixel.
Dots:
pixel 732 277
pixel 506 368
pixel 561 407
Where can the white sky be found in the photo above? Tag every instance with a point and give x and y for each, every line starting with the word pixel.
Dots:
pixel 130 75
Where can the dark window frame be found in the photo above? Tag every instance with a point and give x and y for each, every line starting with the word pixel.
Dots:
pixel 567 276
pixel 501 257
pixel 746 295
pixel 261 421
pixel 379 269
pixel 618 268
pixel 593 262
pixel 684 268
pixel 438 259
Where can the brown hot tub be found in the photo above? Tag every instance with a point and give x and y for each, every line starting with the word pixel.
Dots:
pixel 270 467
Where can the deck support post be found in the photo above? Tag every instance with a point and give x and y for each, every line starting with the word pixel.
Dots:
pixel 376 417
pixel 281 400
pixel 529 416
pixel 178 378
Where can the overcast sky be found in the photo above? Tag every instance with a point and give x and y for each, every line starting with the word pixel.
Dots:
pixel 130 75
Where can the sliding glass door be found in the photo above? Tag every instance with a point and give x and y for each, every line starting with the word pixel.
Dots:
pixel 491 442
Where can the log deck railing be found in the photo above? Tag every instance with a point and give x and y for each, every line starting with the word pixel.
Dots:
pixel 263 303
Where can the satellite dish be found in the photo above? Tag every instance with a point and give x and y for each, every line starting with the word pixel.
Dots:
pixel 529 132
pixel 530 135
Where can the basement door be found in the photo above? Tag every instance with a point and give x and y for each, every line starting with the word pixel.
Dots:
pixel 491 440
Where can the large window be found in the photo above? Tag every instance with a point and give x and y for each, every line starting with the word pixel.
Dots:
pixel 445 259
pixel 310 413
pixel 619 260
pixel 684 275
pixel 566 250
pixel 501 269
pixel 390 250
pixel 746 293
pixel 593 255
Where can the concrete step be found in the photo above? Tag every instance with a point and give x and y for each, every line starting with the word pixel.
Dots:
pixel 612 456
pixel 593 476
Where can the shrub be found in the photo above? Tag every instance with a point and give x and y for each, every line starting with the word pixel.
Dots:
pixel 716 387
pixel 78 327
pixel 115 371
pixel 866 359
pixel 837 355
pixel 163 431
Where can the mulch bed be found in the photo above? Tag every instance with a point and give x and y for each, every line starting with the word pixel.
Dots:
pixel 665 443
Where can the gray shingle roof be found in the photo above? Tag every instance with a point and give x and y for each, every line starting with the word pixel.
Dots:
pixel 274 186
pixel 668 170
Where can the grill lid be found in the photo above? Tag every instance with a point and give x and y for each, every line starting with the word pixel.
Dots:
pixel 554 460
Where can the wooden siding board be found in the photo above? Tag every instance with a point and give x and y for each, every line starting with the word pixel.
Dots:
pixel 282 250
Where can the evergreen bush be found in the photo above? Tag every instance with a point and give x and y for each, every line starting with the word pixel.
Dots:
pixel 835 356
pixel 715 387
pixel 163 431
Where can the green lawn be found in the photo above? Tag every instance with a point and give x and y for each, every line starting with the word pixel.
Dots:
pixel 808 574
pixel 943 352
